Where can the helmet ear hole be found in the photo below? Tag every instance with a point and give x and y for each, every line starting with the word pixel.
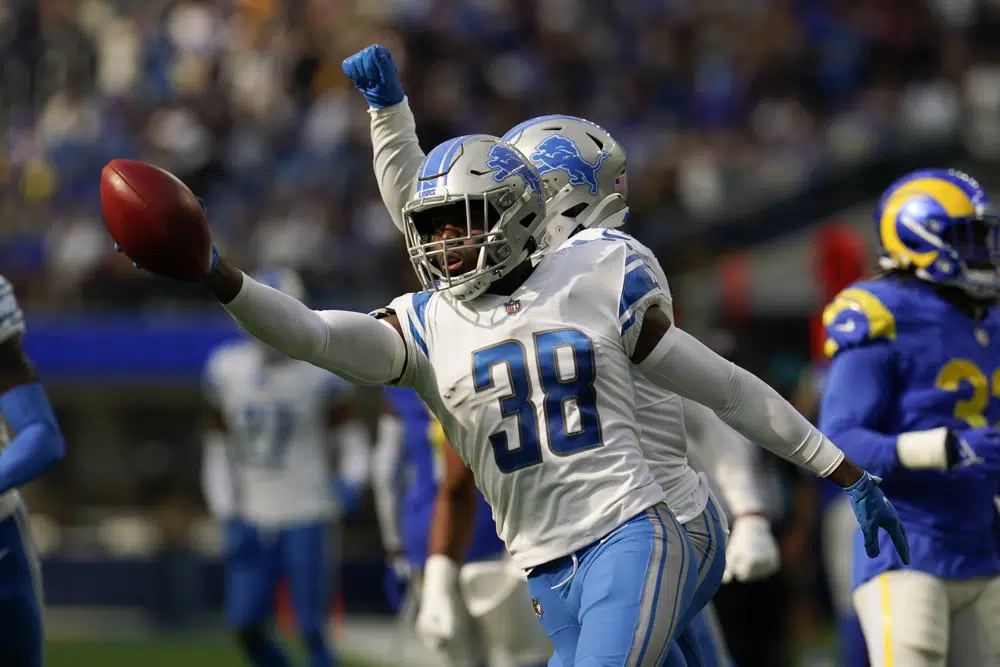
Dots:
pixel 575 210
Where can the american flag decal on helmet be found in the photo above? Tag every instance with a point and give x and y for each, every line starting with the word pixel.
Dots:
pixel 620 183
pixel 513 306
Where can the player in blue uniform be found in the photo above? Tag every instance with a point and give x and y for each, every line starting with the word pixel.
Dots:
pixel 36 446
pixel 411 458
pixel 913 395
pixel 268 478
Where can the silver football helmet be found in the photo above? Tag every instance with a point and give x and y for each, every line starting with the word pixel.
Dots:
pixel 583 173
pixel 496 195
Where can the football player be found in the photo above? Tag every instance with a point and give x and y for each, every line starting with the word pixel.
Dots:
pixel 912 394
pixel 37 444
pixel 267 476
pixel 492 606
pixel 583 168
pixel 536 361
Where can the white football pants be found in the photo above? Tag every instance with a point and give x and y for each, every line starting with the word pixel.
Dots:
pixel 914 619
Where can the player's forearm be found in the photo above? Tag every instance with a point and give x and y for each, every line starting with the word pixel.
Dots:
pixel 356 347
pixel 385 469
pixel 453 522
pixel 682 364
pixel 216 476
pixel 397 155
pixel 855 401
pixel 38 443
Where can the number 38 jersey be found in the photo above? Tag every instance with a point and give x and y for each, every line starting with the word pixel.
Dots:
pixel 535 392
pixel 906 360
pixel 278 442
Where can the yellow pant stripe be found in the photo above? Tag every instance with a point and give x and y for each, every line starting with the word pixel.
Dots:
pixel 883 589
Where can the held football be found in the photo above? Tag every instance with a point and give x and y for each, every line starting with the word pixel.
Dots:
pixel 156 220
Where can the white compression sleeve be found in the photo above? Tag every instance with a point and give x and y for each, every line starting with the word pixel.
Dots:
pixel 385 479
pixel 356 347
pixel 726 456
pixel 355 452
pixel 397 155
pixel 683 365
pixel 216 476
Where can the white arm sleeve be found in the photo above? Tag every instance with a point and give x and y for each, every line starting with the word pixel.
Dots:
pixel 216 476
pixel 385 479
pixel 357 347
pixel 726 456
pixel 397 155
pixel 683 365
pixel 355 452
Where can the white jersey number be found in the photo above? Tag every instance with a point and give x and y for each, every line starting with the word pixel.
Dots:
pixel 567 369
pixel 267 432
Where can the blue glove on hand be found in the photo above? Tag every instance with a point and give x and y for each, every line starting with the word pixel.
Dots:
pixel 396 581
pixel 975 446
pixel 374 74
pixel 348 494
pixel 874 511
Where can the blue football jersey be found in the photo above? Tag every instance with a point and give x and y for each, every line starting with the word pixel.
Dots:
pixel 905 359
pixel 423 462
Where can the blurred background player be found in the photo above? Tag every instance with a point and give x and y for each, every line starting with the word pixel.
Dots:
pixel 912 393
pixel 33 443
pixel 583 169
pixel 268 476
pixel 493 623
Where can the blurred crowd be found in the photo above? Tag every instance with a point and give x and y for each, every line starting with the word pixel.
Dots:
pixel 722 106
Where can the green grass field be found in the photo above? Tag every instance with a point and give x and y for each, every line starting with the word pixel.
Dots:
pixel 183 653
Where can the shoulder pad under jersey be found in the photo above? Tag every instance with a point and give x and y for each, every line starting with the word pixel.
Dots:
pixel 856 317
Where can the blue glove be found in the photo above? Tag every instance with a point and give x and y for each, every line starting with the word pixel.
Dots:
pixel 396 581
pixel 874 511
pixel 975 446
pixel 374 74
pixel 348 494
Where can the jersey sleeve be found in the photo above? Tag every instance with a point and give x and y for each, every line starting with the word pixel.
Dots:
pixel 411 309
pixel 397 155
pixel 640 290
pixel 856 317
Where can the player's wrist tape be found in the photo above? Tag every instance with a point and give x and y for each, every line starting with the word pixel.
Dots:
pixel 440 573
pixel 26 404
pixel 924 450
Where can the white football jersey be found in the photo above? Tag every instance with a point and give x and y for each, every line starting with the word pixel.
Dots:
pixel 278 443
pixel 660 414
pixel 535 391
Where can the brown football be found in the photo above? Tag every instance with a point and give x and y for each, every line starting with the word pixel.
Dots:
pixel 156 220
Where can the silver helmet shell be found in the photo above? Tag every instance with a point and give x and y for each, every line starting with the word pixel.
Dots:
pixel 583 174
pixel 499 188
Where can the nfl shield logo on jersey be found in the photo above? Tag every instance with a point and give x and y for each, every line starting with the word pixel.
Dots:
pixel 513 306
pixel 537 606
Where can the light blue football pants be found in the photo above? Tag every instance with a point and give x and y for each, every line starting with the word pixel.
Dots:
pixel 624 600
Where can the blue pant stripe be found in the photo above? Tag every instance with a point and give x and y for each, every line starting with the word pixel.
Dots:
pixel 711 519
pixel 660 614
pixel 650 591
pixel 682 573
